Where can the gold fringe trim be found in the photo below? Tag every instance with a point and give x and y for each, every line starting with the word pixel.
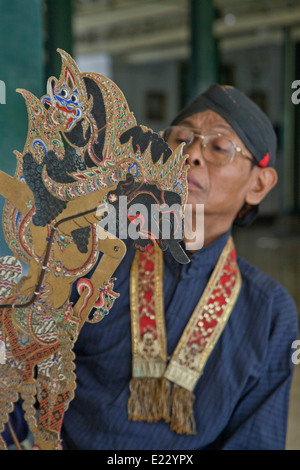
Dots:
pixel 182 417
pixel 149 399
pixel 152 399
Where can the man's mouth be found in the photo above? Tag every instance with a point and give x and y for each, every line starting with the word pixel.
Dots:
pixel 193 183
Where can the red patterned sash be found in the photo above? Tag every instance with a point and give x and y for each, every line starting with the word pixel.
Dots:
pixel 165 391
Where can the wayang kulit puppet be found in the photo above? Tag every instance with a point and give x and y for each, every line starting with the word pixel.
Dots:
pixel 83 151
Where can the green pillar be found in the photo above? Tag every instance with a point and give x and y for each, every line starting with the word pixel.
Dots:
pixel 58 32
pixel 21 66
pixel 203 59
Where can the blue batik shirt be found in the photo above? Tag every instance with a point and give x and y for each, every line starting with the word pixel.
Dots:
pixel 241 400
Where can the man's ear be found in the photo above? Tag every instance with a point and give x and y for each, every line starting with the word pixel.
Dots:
pixel 263 180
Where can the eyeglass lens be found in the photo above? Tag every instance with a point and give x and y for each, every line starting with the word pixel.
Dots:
pixel 216 149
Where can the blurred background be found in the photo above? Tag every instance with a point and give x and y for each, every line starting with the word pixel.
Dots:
pixel 162 53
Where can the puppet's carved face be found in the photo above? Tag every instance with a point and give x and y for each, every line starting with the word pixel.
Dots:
pixel 66 105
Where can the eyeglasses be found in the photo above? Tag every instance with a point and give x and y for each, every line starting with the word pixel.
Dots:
pixel 217 149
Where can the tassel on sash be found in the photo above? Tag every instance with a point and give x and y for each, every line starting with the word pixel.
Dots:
pixel 152 399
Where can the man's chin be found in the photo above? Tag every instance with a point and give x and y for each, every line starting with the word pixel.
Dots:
pixel 196 196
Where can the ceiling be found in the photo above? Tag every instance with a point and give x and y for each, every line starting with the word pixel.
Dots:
pixel 138 31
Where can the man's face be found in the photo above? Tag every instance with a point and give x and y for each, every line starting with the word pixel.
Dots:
pixel 222 189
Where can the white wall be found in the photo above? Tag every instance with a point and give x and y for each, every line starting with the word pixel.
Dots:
pixel 137 81
pixel 260 69
pixel 97 63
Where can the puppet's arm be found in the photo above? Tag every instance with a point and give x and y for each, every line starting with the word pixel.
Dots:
pixel 113 251
pixel 81 212
pixel 15 191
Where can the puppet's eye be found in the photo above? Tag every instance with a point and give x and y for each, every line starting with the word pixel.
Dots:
pixel 64 93
pixel 74 98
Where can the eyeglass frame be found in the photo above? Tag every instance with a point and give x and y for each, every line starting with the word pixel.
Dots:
pixel 202 137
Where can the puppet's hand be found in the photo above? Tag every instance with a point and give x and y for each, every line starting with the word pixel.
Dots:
pixel 81 212
pixel 142 138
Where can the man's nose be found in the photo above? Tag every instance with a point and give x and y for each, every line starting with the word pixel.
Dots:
pixel 195 154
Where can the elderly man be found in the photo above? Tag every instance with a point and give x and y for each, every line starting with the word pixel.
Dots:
pixel 195 356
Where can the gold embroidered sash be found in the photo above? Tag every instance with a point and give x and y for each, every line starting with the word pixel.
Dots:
pixel 165 391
